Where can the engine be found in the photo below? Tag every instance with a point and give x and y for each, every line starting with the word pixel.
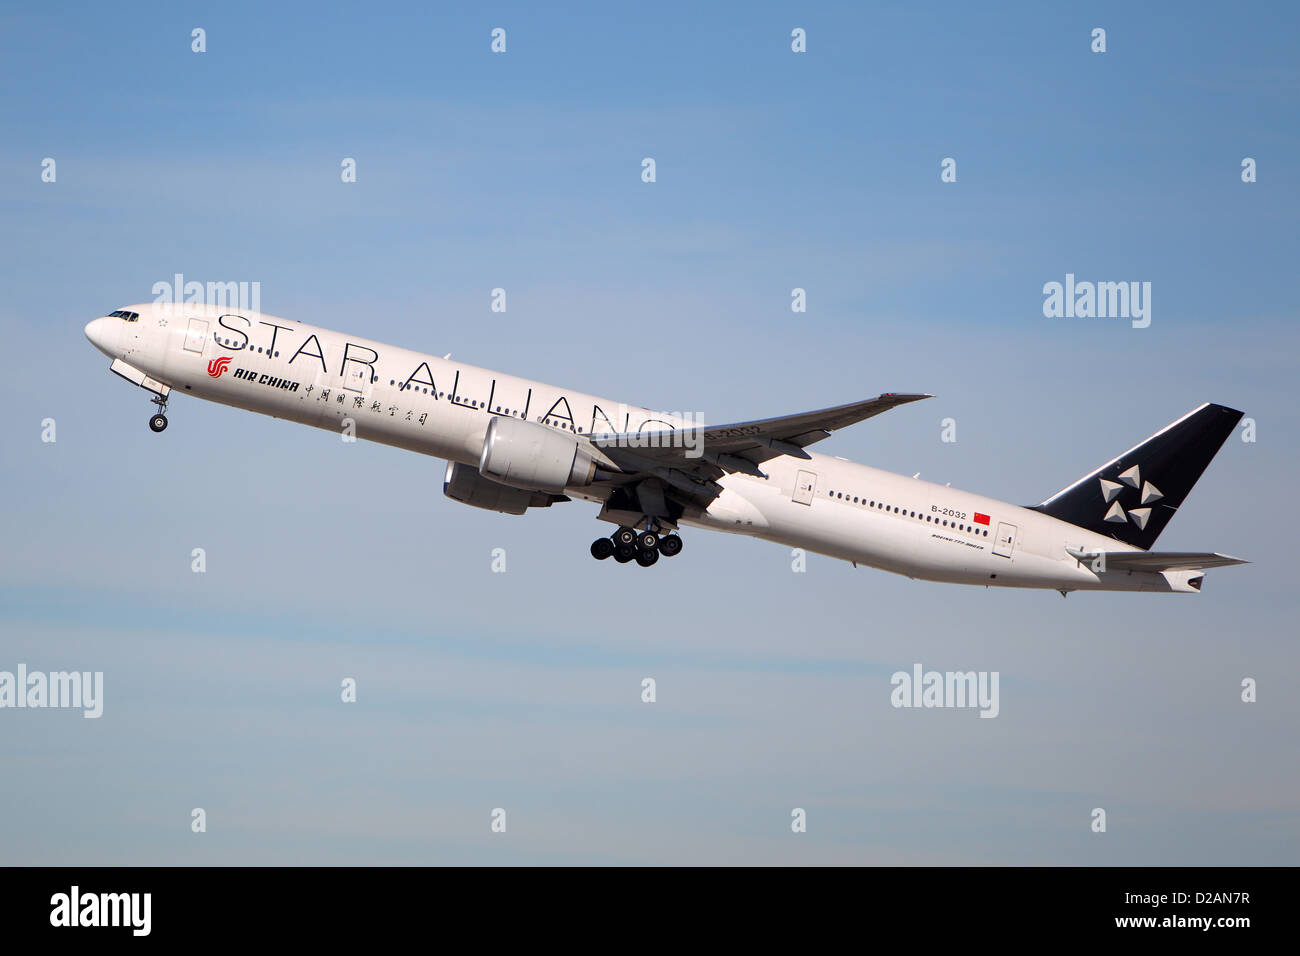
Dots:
pixel 533 457
pixel 464 484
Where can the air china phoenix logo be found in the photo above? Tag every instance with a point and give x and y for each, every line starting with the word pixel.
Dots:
pixel 218 366
pixel 1149 495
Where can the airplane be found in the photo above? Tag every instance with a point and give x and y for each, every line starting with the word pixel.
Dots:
pixel 512 444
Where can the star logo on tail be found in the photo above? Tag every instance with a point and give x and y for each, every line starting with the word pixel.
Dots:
pixel 1148 494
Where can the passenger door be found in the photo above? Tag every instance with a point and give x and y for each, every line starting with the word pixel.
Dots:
pixel 805 486
pixel 1005 542
pixel 196 336
pixel 356 378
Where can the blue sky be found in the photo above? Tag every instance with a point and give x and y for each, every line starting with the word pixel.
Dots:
pixel 522 171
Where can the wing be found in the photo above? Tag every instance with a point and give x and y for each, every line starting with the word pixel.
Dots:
pixel 1159 560
pixel 690 460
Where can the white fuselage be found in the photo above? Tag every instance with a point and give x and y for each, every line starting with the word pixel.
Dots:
pixel 441 408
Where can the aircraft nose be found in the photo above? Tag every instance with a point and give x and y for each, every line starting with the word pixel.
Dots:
pixel 101 333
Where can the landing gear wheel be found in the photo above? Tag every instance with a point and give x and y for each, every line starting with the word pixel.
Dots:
pixel 624 536
pixel 646 557
pixel 670 545
pixel 158 422
pixel 647 540
pixel 602 548
pixel 623 553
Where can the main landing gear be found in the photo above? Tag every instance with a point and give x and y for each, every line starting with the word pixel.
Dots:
pixel 159 421
pixel 644 547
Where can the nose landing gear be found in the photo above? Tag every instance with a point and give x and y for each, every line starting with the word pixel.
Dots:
pixel 159 421
pixel 645 547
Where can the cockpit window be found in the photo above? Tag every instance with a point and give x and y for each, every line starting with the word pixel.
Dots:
pixel 125 315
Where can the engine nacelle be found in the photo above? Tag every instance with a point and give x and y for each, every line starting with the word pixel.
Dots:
pixel 533 457
pixel 463 483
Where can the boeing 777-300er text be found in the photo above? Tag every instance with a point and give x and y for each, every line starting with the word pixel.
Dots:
pixel 512 444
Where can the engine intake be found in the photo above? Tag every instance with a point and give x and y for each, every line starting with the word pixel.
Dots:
pixel 533 457
pixel 463 483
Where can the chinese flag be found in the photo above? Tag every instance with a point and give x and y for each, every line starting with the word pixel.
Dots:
pixel 981 519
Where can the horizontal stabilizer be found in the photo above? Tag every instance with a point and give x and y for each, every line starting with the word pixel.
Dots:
pixel 1158 560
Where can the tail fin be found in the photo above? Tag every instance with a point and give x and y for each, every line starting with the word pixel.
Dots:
pixel 1131 498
